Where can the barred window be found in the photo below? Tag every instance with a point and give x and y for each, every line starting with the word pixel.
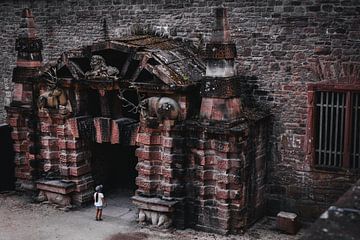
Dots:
pixel 337 129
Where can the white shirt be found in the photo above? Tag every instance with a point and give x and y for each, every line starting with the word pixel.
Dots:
pixel 99 202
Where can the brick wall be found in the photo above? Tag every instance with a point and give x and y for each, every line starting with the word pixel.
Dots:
pixel 277 41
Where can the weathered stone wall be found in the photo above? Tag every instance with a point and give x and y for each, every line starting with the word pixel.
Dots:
pixel 276 40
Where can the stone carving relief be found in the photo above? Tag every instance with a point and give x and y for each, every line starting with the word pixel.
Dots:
pixel 159 219
pixel 55 96
pixel 160 108
pixel 99 69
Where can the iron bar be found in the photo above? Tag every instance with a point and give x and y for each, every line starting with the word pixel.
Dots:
pixel 336 127
pixel 326 128
pixel 320 127
pixel 331 140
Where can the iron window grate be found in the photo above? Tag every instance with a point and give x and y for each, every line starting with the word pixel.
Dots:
pixel 330 108
pixel 355 135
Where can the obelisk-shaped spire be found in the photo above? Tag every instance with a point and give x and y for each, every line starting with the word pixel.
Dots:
pixel 221 50
pixel 27 44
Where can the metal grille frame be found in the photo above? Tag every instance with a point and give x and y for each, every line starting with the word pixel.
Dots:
pixel 334 126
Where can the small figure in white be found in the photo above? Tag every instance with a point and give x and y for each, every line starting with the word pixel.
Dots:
pixel 99 202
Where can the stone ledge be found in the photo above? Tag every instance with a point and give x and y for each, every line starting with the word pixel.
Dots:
pixel 56 186
pixel 154 204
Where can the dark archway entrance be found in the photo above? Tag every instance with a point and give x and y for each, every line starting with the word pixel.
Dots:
pixel 113 166
pixel 7 168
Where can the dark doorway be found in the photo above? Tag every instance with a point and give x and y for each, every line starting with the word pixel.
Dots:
pixel 7 169
pixel 113 166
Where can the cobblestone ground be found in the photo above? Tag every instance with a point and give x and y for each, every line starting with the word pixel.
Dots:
pixel 21 219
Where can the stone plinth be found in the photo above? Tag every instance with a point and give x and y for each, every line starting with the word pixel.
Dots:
pixel 56 191
pixel 156 211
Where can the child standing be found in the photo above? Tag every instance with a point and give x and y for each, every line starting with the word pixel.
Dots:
pixel 99 202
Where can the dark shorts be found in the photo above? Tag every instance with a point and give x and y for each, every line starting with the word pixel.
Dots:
pixel 99 207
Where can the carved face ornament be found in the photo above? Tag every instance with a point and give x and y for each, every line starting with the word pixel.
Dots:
pixel 97 62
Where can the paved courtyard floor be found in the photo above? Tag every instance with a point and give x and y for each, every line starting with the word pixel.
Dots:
pixel 21 219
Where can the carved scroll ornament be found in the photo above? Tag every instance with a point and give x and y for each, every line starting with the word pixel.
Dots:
pixel 55 96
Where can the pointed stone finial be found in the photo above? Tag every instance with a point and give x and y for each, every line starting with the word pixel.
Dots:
pixel 221 31
pixel 221 50
pixel 27 44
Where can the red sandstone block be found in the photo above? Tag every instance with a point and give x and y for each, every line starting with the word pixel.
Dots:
pixel 207 175
pixel 168 142
pixel 170 158
pixel 223 213
pixel 61 130
pixel 221 146
pixel 46 127
pixel 223 164
pixel 210 160
pixel 50 155
pixel 22 175
pixel 78 171
pixel 74 144
pixel 148 139
pixel 167 172
pixel 16 147
pixel 78 156
pixel 62 144
pixel 16 122
pixel 222 178
pixel 149 171
pixel 199 156
pixel 64 171
pixel 222 194
pixel 83 187
pixel 59 119
pixel 24 146
pixel 49 143
pixel 114 132
pixel 29 156
pixel 147 155
pixel 287 222
pixel 206 190
pixel 72 126
pixel 151 131
pixel 18 135
pixel 155 140
pixel 147 186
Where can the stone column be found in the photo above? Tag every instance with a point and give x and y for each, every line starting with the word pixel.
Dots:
pixel 149 161
pixel 22 112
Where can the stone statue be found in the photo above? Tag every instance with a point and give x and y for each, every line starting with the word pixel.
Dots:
pixel 55 96
pixel 159 108
pixel 159 219
pixel 99 70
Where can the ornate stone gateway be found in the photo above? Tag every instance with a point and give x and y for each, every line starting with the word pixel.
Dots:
pixel 200 139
